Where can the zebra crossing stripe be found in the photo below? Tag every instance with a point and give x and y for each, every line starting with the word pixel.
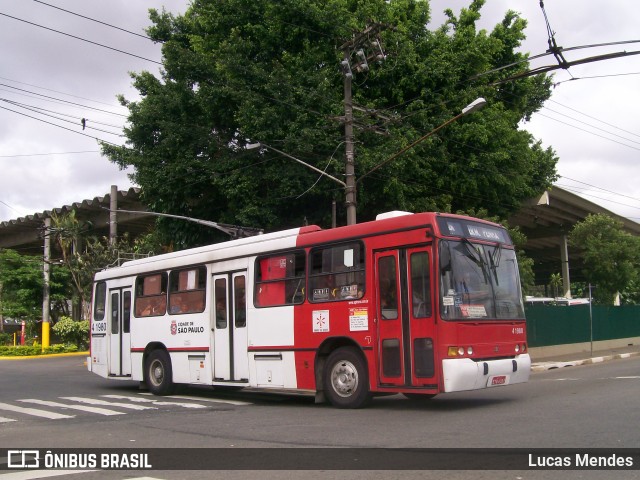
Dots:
pixel 155 402
pixel 37 474
pixel 33 411
pixel 96 401
pixel 46 403
pixel 210 400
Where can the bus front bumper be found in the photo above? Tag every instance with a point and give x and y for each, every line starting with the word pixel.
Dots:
pixel 466 374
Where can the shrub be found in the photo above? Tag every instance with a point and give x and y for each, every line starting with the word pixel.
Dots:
pixel 6 338
pixel 31 350
pixel 72 332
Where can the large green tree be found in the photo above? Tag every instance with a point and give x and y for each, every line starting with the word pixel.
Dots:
pixel 22 281
pixel 236 72
pixel 611 256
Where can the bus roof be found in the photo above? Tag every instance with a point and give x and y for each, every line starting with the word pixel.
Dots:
pixel 286 239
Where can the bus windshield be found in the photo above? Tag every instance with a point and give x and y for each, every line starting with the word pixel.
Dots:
pixel 479 282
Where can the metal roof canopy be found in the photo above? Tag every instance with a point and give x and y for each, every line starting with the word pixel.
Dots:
pixel 547 220
pixel 25 234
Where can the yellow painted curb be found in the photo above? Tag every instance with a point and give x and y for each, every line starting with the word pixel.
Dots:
pixel 48 355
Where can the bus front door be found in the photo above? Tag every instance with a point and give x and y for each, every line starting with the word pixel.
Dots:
pixel 119 332
pixel 229 328
pixel 406 325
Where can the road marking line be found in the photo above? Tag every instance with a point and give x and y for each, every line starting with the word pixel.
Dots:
pixel 35 474
pixel 96 401
pixel 200 399
pixel 155 402
pixel 34 411
pixel 99 411
pixel 5 420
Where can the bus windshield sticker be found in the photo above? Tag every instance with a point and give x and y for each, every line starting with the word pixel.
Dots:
pixel 320 321
pixel 473 311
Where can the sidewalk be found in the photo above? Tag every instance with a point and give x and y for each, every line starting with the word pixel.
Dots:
pixel 542 362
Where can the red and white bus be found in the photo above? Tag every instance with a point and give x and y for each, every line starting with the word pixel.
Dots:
pixel 417 304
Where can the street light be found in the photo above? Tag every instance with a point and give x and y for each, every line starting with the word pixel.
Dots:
pixel 474 106
pixel 350 185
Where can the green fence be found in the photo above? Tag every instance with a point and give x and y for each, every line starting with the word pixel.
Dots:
pixel 551 325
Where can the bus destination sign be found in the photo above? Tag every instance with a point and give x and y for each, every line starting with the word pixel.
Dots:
pixel 467 229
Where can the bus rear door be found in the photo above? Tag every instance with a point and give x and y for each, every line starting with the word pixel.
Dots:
pixel 229 328
pixel 406 322
pixel 119 332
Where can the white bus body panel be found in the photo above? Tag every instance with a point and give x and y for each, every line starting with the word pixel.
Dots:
pixel 192 352
pixel 461 374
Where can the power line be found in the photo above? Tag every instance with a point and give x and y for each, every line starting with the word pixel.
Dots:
pixel 61 93
pixel 587 131
pixel 592 126
pixel 35 108
pixel 82 122
pixel 80 38
pixel 594 118
pixel 48 154
pixel 600 188
pixel 94 20
pixel 59 126
pixel 64 101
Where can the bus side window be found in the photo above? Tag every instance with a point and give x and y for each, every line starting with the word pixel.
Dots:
pixel 280 279
pixel 221 302
pixel 100 301
pixel 151 295
pixel 240 303
pixel 388 288
pixel 420 285
pixel 187 290
pixel 337 273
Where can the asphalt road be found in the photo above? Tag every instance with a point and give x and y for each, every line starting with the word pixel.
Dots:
pixel 57 403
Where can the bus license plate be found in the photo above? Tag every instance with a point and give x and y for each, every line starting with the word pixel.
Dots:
pixel 496 380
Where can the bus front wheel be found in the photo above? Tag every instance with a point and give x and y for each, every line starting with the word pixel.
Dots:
pixel 158 373
pixel 345 379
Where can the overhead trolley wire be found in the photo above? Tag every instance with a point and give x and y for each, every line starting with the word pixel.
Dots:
pixel 82 39
pixel 94 20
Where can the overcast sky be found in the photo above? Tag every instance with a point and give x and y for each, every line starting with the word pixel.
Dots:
pixel 591 123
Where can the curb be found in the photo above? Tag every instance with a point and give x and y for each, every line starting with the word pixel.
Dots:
pixel 551 365
pixel 48 355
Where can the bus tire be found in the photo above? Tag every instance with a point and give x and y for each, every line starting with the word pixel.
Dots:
pixel 158 373
pixel 346 379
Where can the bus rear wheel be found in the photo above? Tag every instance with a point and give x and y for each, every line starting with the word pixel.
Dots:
pixel 345 379
pixel 159 374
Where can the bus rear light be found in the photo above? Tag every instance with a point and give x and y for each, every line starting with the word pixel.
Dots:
pixel 469 350
pixel 517 348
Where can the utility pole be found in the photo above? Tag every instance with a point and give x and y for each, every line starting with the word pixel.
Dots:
pixel 369 39
pixel 349 168
pixel 46 289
